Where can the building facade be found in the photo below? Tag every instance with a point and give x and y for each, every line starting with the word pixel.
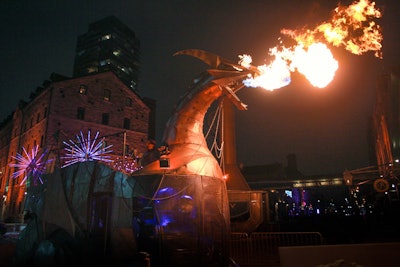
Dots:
pixel 66 108
pixel 109 45
pixel 100 99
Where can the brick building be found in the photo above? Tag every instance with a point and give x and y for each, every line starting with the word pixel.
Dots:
pixel 58 112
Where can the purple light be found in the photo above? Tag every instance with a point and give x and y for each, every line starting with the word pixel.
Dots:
pixel 85 150
pixel 165 193
pixel 30 164
pixel 165 221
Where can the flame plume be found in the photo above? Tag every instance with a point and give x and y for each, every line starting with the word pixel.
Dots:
pixel 352 27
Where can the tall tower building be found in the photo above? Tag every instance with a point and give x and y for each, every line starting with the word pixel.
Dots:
pixel 109 45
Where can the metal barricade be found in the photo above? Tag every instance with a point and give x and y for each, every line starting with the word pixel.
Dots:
pixel 239 248
pixel 262 248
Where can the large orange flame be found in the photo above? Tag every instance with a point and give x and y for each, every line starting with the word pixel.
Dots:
pixel 351 27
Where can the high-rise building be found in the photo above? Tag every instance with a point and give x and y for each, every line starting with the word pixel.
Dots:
pixel 109 45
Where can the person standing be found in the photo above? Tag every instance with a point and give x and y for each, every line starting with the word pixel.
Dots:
pixel 152 154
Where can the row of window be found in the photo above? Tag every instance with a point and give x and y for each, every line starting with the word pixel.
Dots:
pixel 38 119
pixel 83 89
pixel 105 118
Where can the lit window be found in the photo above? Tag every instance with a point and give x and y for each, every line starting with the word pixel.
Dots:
pixel 105 62
pixel 91 69
pixel 107 95
pixel 106 37
pixel 83 89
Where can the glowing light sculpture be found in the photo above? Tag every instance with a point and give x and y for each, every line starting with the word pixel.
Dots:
pixel 125 164
pixel 86 149
pixel 30 164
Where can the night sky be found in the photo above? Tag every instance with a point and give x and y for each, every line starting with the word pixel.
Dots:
pixel 326 128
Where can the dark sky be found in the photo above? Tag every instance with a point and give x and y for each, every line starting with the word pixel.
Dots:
pixel 326 128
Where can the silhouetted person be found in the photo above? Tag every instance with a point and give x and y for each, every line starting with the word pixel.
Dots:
pixel 152 153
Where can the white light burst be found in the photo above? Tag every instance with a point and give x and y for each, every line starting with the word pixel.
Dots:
pixel 85 149
pixel 31 164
